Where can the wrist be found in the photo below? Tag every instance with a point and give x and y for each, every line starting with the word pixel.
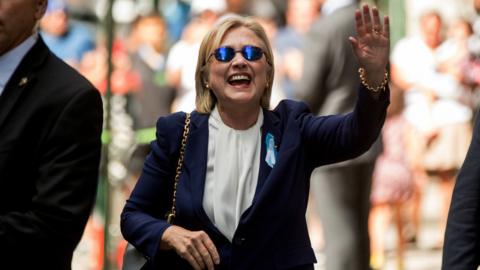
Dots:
pixel 374 81
pixel 165 243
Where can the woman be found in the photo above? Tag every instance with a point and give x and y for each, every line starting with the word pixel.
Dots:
pixel 243 191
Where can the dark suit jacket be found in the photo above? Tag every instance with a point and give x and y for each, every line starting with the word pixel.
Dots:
pixel 329 81
pixel 50 126
pixel 462 237
pixel 272 233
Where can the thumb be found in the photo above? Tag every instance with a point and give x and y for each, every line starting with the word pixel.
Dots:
pixel 355 46
pixel 353 42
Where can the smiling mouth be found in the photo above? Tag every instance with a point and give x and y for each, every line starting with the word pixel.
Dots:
pixel 240 80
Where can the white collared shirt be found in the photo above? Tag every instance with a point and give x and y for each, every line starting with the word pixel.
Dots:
pixel 11 59
pixel 232 172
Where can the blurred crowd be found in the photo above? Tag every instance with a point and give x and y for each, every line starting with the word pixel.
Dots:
pixel 435 78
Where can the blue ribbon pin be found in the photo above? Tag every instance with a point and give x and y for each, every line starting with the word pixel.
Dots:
pixel 271 156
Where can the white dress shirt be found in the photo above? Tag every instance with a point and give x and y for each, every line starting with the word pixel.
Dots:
pixel 232 172
pixel 11 59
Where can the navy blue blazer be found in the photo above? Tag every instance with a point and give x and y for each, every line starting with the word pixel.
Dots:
pixel 272 233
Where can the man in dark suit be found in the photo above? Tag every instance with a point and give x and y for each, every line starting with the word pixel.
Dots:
pixel 461 248
pixel 50 126
pixel 341 191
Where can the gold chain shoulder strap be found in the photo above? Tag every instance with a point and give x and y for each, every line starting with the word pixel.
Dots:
pixel 186 129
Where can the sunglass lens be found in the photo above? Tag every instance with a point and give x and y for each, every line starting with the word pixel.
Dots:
pixel 252 53
pixel 224 54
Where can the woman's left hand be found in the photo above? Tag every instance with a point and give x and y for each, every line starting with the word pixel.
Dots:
pixel 372 44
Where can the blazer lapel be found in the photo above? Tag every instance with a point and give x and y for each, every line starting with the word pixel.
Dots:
pixel 22 79
pixel 195 164
pixel 270 128
pixel 13 91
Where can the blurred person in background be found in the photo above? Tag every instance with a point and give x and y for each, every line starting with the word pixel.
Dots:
pixel 182 57
pixel 392 182
pixel 94 66
pixel 341 191
pixel 413 61
pixel 455 48
pixel 68 39
pixel 451 112
pixel 177 15
pixel 290 39
pixel 153 97
pixel 240 7
pixel 242 193
pixel 50 127
pixel 438 107
pixel 455 55
pixel 472 69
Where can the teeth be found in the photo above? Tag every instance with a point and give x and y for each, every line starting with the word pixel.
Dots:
pixel 239 77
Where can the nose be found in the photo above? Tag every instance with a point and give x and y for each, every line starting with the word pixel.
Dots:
pixel 239 60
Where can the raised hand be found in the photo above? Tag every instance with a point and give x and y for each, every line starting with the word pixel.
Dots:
pixel 195 247
pixel 372 44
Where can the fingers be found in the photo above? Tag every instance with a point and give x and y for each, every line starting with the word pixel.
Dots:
pixel 193 258
pixel 211 249
pixel 354 43
pixel 365 24
pixel 386 26
pixel 195 247
pixel 367 20
pixel 203 257
pixel 377 26
pixel 359 23
pixel 201 253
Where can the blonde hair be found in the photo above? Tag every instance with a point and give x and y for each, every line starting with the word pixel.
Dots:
pixel 205 99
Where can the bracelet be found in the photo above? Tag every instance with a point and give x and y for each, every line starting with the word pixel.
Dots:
pixel 361 72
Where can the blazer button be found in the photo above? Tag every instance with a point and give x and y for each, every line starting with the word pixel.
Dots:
pixel 239 241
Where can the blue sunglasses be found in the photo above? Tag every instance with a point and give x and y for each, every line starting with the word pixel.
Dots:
pixel 249 52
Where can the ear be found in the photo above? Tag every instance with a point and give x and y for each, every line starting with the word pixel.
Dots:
pixel 40 8
pixel 204 76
